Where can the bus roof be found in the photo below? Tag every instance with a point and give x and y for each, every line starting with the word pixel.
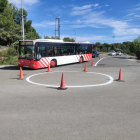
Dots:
pixel 56 40
pixel 49 40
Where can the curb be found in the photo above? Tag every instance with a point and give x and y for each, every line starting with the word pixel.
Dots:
pixel 2 66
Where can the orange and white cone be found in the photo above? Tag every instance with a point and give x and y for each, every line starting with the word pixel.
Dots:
pixel 21 77
pixel 85 69
pixel 49 69
pixel 99 57
pixel 120 76
pixel 62 85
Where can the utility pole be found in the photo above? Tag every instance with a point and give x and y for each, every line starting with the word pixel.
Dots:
pixel 113 41
pixel 22 27
pixel 58 27
pixel 75 34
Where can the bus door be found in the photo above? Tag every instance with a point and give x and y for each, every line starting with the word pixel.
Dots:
pixel 40 50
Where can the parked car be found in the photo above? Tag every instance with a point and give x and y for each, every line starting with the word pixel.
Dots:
pixel 118 53
pixel 95 54
pixel 113 53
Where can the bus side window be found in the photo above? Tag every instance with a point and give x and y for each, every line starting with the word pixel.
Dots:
pixel 50 51
pixel 58 51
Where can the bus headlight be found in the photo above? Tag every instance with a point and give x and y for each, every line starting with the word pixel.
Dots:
pixel 33 65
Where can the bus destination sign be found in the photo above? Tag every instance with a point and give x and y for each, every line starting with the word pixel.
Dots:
pixel 28 43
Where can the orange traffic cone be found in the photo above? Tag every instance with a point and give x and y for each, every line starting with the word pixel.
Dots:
pixel 62 85
pixel 85 69
pixel 99 57
pixel 49 69
pixel 120 76
pixel 21 74
pixel 92 63
pixel 107 55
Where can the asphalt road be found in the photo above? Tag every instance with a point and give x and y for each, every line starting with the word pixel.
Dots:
pixel 97 112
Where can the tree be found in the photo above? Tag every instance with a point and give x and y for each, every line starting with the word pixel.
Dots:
pixel 3 5
pixel 14 10
pixel 106 46
pixel 10 24
pixel 67 39
pixel 97 46
pixel 19 16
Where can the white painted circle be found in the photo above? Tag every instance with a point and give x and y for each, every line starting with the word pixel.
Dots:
pixel 109 82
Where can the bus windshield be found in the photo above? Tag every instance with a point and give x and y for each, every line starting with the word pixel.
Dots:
pixel 26 52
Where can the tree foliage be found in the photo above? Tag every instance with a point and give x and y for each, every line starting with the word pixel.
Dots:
pixel 10 24
pixel 53 37
pixel 67 39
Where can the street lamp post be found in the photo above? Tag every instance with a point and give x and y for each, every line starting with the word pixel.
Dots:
pixel 22 22
pixel 113 41
pixel 58 27
pixel 41 35
pixel 75 34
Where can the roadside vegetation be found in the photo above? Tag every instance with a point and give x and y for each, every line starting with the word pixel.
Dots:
pixel 130 48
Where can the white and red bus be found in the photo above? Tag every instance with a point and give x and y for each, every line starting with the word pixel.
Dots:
pixel 40 53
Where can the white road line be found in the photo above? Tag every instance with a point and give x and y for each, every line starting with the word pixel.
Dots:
pixel 99 61
pixel 109 82
pixel 128 58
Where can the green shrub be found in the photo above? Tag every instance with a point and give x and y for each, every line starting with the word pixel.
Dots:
pixel 11 60
pixel 133 54
pixel 138 54
pixel 9 52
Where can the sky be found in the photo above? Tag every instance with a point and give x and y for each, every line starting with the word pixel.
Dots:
pixel 104 21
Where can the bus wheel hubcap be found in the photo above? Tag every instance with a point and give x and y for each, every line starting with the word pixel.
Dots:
pixel 52 63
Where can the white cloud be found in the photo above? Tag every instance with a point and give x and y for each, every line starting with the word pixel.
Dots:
pixel 106 5
pixel 138 4
pixel 44 24
pixel 95 5
pixel 130 14
pixel 28 2
pixel 94 39
pixel 137 9
pixel 49 15
pixel 97 20
pixel 86 6
pixel 64 6
pixel 82 10
pixel 83 7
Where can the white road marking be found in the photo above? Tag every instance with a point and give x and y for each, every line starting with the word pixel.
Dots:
pixel 99 61
pixel 109 82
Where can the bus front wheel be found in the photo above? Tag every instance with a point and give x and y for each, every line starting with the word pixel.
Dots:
pixel 53 63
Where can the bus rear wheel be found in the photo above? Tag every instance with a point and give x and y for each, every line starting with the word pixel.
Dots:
pixel 53 63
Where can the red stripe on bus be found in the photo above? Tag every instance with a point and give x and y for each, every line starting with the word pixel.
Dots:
pixel 41 66
pixel 45 59
pixel 42 62
pixel 77 57
pixel 45 62
pixel 48 61
pixel 87 56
